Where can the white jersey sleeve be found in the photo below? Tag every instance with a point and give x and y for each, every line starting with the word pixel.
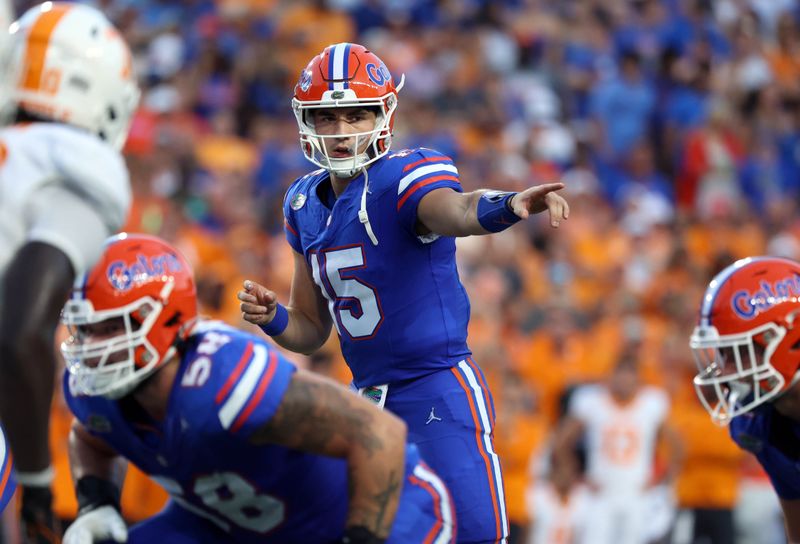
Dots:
pixel 62 186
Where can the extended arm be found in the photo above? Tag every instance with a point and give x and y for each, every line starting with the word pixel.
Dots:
pixel 450 213
pixel 308 322
pixel 319 416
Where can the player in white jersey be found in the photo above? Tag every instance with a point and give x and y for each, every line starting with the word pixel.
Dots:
pixel 622 423
pixel 64 189
pixel 559 505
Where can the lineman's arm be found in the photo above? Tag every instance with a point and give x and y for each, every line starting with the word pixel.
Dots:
pixel 91 456
pixel 98 473
pixel 309 323
pixel 450 213
pixel 791 512
pixel 321 417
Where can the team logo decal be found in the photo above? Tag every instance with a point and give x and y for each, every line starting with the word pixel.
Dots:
pixel 122 276
pixel 378 74
pixel 98 423
pixel 298 201
pixel 746 304
pixel 305 80
pixel 750 443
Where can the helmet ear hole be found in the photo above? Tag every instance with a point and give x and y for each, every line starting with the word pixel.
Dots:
pixel 174 319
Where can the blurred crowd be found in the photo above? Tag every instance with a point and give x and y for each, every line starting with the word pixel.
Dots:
pixel 675 125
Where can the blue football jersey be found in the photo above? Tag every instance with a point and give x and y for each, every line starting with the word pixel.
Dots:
pixel 399 306
pixel 228 385
pixel 775 441
pixel 8 482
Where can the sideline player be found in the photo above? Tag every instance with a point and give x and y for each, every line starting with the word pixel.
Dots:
pixel 63 190
pixel 623 422
pixel 245 443
pixel 374 239
pixel 746 349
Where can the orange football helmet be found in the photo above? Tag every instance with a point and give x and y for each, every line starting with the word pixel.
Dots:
pixel 145 288
pixel 747 342
pixel 345 75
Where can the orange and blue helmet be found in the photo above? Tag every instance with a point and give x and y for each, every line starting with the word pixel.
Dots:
pixel 747 341
pixel 346 75
pixel 146 286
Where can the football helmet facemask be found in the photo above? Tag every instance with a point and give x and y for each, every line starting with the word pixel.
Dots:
pixel 346 75
pixel 747 342
pixel 125 315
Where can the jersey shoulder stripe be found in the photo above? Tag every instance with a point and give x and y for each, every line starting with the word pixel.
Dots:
pixel 423 171
pixel 422 183
pixel 255 399
pixel 237 372
pixel 439 158
pixel 248 384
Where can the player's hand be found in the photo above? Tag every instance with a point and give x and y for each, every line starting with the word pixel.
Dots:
pixel 258 304
pixel 39 525
pixel 539 198
pixel 97 525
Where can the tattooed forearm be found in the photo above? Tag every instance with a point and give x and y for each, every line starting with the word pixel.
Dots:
pixel 374 514
pixel 315 415
pixel 382 501
pixel 319 416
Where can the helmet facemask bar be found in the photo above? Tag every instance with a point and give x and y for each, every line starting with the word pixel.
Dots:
pixel 378 139
pixel 113 372
pixel 735 374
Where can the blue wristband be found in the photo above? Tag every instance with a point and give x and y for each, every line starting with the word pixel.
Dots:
pixel 278 323
pixel 494 213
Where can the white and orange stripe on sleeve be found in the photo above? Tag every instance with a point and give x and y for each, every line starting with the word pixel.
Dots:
pixel 422 173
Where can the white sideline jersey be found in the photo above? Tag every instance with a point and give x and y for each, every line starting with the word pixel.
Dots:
pixel 620 440
pixel 62 186
pixel 556 521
